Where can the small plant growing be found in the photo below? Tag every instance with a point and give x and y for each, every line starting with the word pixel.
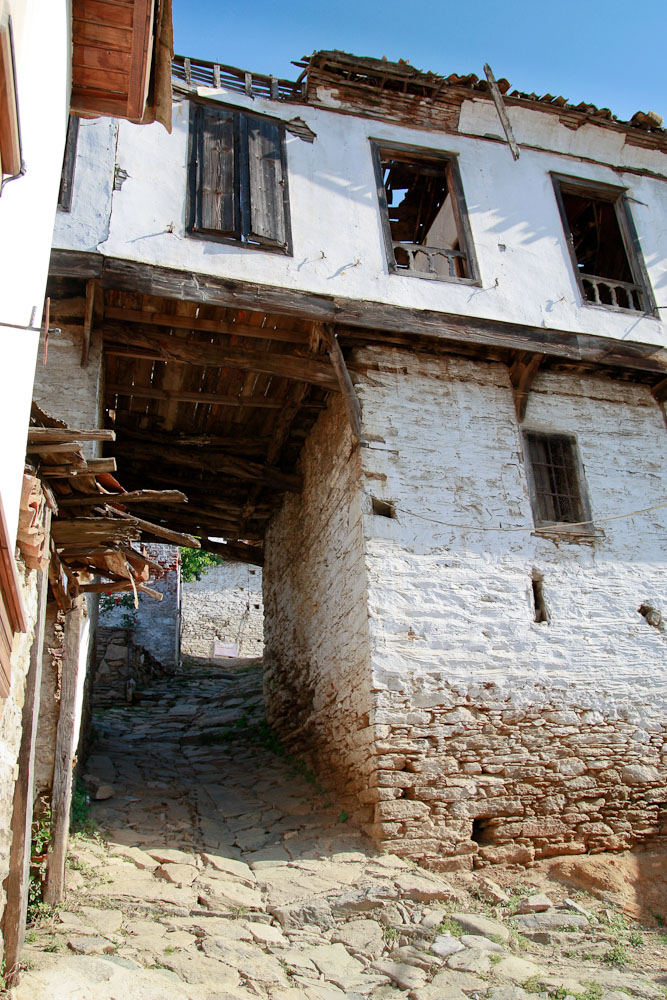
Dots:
pixel 390 935
pixel 449 926
pixel 616 956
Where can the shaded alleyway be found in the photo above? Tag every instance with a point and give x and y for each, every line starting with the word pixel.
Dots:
pixel 225 871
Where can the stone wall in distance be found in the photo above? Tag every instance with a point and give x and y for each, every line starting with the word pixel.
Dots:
pixel 226 605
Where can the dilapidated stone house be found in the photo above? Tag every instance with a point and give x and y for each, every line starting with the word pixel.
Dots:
pixel 398 337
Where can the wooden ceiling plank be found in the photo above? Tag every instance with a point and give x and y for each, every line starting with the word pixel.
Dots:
pixel 206 325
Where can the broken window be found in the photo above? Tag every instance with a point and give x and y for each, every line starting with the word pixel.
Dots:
pixel 556 479
pixel 238 179
pixel 424 216
pixel 603 245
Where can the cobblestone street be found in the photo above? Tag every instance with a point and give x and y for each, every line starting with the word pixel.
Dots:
pixel 222 869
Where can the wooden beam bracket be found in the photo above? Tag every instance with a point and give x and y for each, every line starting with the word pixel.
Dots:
pixel 522 375
pixel 350 398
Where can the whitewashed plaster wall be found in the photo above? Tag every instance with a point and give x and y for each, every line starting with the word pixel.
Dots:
pixel 87 223
pixel 226 603
pixel 338 247
pixel 27 208
pixel 480 712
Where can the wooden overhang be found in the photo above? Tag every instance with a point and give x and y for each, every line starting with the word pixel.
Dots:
pixel 212 385
pixel 119 46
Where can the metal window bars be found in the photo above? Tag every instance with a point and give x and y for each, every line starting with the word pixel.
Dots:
pixel 557 488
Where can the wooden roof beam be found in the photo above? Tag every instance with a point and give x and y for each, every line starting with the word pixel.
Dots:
pixel 207 325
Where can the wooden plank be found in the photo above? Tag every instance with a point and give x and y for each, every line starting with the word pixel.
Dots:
pixel 266 182
pixel 154 345
pixel 148 392
pixel 63 448
pixel 214 181
pixel 105 35
pixel 502 111
pixel 18 879
pixel 235 551
pixel 350 398
pixel 142 53
pixel 69 164
pixel 61 794
pixel 209 461
pixel 176 537
pixel 207 325
pixel 136 496
pixel 92 467
pixel 101 12
pixel 55 435
pixel 88 321
pixel 359 315
pixel 96 57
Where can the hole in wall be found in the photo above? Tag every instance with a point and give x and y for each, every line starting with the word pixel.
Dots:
pixel 482 832
pixel 383 508
pixel 539 605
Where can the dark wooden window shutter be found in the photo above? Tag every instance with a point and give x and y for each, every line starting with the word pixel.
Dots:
pixel 216 191
pixel 266 182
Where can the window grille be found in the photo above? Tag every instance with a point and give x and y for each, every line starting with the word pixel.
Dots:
pixel 556 484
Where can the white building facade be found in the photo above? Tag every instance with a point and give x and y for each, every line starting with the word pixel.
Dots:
pixel 465 602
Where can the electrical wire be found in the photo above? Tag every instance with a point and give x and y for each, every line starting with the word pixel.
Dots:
pixel 546 528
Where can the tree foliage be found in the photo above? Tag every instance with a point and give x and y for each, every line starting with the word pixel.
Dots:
pixel 196 562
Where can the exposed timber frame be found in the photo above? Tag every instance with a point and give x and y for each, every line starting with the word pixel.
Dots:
pixel 397 325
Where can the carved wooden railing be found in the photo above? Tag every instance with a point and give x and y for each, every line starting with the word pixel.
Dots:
pixel 406 253
pixel 611 292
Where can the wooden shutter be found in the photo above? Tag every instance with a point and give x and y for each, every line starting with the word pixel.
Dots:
pixel 267 183
pixel 216 187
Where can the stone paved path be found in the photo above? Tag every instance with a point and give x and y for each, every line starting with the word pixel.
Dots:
pixel 226 871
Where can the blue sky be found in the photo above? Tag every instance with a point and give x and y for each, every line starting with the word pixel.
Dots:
pixel 607 53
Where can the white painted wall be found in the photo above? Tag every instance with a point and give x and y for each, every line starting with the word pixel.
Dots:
pixel 27 208
pixel 338 248
pixel 87 224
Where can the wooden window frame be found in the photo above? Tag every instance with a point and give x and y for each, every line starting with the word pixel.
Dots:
pixel 69 165
pixel 408 152
pixel 619 198
pixel 241 192
pixel 12 612
pixel 567 528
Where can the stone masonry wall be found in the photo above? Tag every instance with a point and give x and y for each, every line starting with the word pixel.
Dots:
pixel 156 623
pixel 498 737
pixel 317 670
pixel 225 604
pixel 11 709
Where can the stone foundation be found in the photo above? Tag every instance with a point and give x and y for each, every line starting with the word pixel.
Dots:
pixel 11 727
pixel 492 736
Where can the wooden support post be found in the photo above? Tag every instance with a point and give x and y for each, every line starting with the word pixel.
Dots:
pixel 522 376
pixel 88 321
pixel 352 404
pixel 61 796
pixel 502 111
pixel 18 880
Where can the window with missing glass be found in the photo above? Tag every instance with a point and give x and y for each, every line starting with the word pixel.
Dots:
pixel 603 244
pixel 556 479
pixel 424 215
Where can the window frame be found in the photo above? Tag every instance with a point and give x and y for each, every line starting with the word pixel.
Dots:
pixel 408 152
pixel 617 196
pixel 241 193
pixel 66 189
pixel 550 527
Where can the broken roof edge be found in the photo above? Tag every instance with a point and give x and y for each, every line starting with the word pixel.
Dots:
pixel 402 78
